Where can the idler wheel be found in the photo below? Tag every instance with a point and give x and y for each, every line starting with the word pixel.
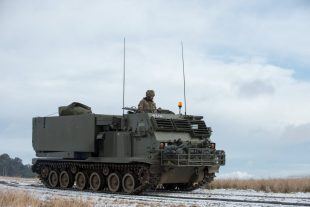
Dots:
pixel 114 182
pixel 96 181
pixel 128 183
pixel 53 179
pixel 44 172
pixel 66 179
pixel 81 181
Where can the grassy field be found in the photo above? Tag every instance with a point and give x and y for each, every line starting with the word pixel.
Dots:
pixel 266 185
pixel 22 199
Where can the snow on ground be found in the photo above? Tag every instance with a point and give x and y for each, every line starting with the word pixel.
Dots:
pixel 200 197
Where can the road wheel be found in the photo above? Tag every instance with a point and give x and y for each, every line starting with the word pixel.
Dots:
pixel 53 179
pixel 81 181
pixel 128 183
pixel 96 181
pixel 66 179
pixel 114 182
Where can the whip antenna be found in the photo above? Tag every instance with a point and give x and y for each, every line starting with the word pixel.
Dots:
pixel 124 75
pixel 183 78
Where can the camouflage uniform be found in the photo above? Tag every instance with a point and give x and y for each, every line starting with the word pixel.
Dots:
pixel 147 105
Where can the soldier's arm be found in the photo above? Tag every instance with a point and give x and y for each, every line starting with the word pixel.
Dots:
pixel 140 106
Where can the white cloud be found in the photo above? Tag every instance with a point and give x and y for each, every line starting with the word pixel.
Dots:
pixel 297 133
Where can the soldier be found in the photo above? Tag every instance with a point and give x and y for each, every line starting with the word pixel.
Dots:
pixel 147 105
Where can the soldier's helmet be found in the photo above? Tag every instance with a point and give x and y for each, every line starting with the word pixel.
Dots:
pixel 150 93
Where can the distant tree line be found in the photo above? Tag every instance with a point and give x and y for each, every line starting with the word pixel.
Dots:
pixel 14 167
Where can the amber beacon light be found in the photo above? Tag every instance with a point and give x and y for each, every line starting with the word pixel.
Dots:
pixel 180 104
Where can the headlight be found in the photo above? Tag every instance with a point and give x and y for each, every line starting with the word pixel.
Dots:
pixel 212 145
pixel 216 159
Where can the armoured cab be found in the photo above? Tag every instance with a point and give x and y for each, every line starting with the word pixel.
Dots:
pixel 180 144
pixel 185 147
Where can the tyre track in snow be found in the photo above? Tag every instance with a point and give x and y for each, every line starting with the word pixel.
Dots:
pixel 231 200
pixel 189 198
pixel 237 195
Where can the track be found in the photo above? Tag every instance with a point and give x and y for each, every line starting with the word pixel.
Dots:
pixel 197 198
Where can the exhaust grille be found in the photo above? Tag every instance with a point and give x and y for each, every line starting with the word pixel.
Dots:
pixel 197 128
pixel 182 125
pixel 164 124
pixel 201 129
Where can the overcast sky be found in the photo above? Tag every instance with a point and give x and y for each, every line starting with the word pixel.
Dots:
pixel 246 62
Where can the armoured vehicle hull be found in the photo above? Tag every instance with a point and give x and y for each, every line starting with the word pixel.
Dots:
pixel 127 153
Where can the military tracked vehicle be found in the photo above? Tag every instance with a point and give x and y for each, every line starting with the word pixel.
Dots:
pixel 128 153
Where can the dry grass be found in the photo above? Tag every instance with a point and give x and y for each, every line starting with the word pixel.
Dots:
pixel 266 185
pixel 22 199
